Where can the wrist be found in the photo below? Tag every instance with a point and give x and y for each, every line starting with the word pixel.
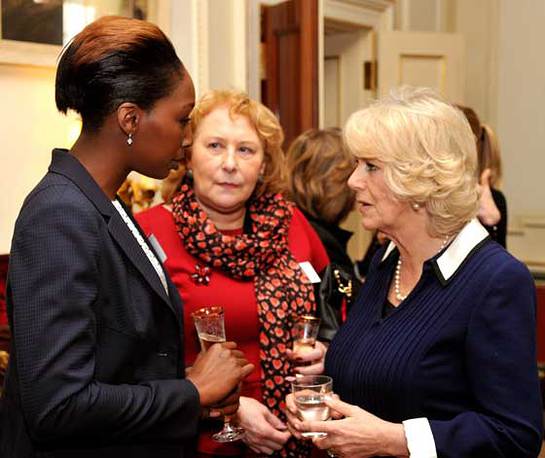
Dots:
pixel 394 440
pixel 203 397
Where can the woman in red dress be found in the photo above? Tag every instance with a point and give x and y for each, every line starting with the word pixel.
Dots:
pixel 228 237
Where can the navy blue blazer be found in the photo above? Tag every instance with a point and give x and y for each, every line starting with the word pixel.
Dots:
pixel 460 350
pixel 96 364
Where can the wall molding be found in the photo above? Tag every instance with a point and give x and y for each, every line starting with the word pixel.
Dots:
pixel 525 241
pixel 363 13
pixel 32 54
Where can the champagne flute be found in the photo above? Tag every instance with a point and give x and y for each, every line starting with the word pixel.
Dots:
pixel 305 331
pixel 210 325
pixel 309 392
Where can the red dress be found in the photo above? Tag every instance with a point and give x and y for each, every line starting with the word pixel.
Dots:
pixel 237 298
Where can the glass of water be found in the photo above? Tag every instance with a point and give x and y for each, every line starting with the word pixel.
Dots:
pixel 309 392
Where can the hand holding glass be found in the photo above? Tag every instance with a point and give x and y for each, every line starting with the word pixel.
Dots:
pixel 309 392
pixel 210 325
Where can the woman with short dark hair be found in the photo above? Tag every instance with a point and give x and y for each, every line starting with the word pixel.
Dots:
pixel 96 364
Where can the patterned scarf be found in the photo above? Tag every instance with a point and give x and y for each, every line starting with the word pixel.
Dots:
pixel 261 255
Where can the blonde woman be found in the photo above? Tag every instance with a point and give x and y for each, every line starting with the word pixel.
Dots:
pixel 438 357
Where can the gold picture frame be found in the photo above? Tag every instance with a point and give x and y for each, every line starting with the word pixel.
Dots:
pixel 25 51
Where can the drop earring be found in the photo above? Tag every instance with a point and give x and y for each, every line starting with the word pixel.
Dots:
pixel 129 139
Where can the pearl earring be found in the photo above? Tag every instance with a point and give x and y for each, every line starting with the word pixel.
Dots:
pixel 129 140
pixel 416 206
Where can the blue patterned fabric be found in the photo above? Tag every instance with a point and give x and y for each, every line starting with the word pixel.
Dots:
pixel 460 352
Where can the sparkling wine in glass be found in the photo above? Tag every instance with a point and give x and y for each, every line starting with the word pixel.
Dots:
pixel 309 393
pixel 210 326
pixel 305 331
pixel 207 340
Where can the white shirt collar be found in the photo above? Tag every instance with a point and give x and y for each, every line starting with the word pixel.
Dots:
pixel 446 265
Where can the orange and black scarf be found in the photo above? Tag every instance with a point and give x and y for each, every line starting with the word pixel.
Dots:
pixel 261 255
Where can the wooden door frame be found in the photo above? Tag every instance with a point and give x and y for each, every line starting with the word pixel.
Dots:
pixel 374 14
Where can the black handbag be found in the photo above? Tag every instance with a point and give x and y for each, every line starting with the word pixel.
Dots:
pixel 337 286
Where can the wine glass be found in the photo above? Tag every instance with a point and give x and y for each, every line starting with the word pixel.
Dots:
pixel 210 326
pixel 305 331
pixel 309 392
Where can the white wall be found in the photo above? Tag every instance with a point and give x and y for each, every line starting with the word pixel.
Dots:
pixel 521 101
pixel 227 44
pixel 505 78
pixel 29 128
pixel 478 22
pixel 521 125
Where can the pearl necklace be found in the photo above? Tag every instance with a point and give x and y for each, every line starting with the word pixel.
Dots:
pixel 397 277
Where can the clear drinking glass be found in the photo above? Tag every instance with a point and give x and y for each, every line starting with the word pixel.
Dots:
pixel 210 325
pixel 305 331
pixel 309 392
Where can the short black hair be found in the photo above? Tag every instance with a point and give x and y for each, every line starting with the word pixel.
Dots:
pixel 114 60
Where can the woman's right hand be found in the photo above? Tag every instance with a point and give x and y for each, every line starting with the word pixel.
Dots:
pixel 356 432
pixel 314 358
pixel 265 432
pixel 488 214
pixel 217 372
pixel 294 422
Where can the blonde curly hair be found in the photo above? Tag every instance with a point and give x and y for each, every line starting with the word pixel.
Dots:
pixel 428 150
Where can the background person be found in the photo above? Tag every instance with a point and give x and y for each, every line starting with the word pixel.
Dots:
pixel 438 356
pixel 493 206
pixel 318 167
pixel 95 364
pixel 230 238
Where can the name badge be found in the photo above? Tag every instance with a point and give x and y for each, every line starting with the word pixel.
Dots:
pixel 309 271
pixel 158 248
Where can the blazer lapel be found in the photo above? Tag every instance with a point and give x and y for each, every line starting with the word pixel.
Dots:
pixel 123 236
pixel 67 165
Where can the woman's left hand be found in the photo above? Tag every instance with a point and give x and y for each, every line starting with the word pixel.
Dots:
pixel 360 433
pixel 265 433
pixel 315 358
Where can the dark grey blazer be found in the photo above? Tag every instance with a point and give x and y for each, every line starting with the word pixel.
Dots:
pixel 96 365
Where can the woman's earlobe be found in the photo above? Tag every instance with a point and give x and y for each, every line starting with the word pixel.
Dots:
pixel 128 117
